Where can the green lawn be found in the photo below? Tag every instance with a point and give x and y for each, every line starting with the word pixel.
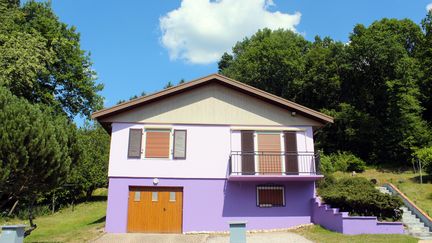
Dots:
pixel 84 223
pixel 406 181
pixel 318 234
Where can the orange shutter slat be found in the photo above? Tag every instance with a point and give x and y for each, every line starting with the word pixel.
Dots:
pixel 270 160
pixel 157 144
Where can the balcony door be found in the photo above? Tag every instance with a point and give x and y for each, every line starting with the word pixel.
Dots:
pixel 269 153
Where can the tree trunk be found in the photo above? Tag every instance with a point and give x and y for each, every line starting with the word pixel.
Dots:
pixel 89 193
pixel 53 203
pixel 13 208
pixel 33 226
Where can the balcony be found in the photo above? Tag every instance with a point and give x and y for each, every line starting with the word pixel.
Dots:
pixel 274 166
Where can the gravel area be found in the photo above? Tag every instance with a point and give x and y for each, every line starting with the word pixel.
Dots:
pixel 271 237
pixel 151 238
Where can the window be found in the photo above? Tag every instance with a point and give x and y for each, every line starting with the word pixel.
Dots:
pixel 137 196
pixel 172 197
pixel 157 144
pixel 154 196
pixel 179 144
pixel 270 196
pixel 134 148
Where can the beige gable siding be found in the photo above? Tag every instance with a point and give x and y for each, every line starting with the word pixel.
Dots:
pixel 212 104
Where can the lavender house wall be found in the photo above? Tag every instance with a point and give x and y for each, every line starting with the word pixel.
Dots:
pixel 208 204
pixel 207 155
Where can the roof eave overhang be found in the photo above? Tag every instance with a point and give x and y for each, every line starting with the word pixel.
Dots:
pixel 241 87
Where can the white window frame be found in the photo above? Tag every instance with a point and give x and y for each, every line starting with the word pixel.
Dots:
pixel 171 134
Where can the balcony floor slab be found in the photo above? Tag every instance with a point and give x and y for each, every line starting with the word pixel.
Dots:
pixel 275 177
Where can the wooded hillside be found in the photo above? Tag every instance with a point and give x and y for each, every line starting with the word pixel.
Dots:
pixel 377 86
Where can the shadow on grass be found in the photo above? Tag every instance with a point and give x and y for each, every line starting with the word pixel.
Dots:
pixel 101 220
pixel 92 199
pixel 97 198
pixel 391 168
pixel 426 179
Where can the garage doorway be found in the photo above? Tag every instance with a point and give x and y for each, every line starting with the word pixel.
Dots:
pixel 155 209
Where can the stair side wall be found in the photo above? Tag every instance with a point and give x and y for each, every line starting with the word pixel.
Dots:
pixel 332 219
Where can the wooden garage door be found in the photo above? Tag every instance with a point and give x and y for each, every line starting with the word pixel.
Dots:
pixel 155 209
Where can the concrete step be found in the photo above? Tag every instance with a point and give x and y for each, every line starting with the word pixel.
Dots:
pixel 418 231
pixel 408 216
pixel 411 221
pixel 417 225
pixel 384 190
pixel 422 235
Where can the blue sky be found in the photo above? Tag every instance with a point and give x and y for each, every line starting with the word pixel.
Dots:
pixel 141 45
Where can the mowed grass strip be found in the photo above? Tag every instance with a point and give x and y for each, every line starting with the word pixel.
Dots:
pixel 406 181
pixel 318 234
pixel 85 222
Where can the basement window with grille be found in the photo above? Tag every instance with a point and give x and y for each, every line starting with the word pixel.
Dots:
pixel 270 196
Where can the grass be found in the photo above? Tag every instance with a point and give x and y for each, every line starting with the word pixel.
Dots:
pixel 85 222
pixel 318 234
pixel 406 181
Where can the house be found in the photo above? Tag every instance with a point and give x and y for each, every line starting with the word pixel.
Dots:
pixel 192 157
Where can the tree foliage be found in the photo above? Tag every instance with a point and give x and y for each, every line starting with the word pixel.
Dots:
pixel 42 61
pixel 45 80
pixel 424 155
pixel 90 171
pixel 37 149
pixel 377 86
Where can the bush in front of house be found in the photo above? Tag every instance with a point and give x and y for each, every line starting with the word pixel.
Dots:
pixel 359 197
pixel 341 161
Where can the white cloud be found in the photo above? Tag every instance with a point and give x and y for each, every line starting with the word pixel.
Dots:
pixel 429 7
pixel 199 31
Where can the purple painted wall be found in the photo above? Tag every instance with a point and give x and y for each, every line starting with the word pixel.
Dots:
pixel 332 219
pixel 208 204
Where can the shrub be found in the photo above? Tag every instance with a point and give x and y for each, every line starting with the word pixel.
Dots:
pixel 326 165
pixel 425 157
pixel 328 180
pixel 358 196
pixel 341 161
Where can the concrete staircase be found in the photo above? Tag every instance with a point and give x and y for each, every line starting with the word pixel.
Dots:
pixel 414 226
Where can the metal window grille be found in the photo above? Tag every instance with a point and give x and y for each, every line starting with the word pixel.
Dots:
pixel 270 196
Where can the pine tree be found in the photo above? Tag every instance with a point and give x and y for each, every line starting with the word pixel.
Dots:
pixel 36 149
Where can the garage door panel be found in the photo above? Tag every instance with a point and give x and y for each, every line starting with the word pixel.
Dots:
pixel 158 210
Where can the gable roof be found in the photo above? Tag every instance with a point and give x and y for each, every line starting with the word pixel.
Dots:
pixel 244 88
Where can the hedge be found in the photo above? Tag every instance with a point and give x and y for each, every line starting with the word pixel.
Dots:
pixel 359 197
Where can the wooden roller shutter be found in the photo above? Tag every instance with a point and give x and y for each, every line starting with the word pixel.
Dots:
pixel 247 147
pixel 291 156
pixel 270 158
pixel 134 147
pixel 157 144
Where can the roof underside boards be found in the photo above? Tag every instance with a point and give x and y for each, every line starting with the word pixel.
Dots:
pixel 213 99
